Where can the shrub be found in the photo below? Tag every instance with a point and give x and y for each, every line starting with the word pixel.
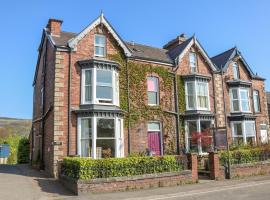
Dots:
pixel 87 168
pixel 13 141
pixel 245 155
pixel 23 151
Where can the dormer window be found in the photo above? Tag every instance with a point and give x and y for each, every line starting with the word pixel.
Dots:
pixel 100 43
pixel 235 71
pixel 193 62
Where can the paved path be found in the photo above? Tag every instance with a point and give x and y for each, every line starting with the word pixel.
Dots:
pixel 19 182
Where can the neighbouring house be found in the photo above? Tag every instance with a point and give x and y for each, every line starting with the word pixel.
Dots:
pixel 268 103
pixel 97 96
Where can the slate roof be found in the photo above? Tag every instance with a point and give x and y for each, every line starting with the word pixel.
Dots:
pixel 149 53
pixel 63 39
pixel 221 59
pixel 176 51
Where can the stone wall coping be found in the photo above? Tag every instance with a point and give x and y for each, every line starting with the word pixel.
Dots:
pixel 128 178
pixel 253 164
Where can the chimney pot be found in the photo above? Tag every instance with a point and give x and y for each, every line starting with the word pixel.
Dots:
pixel 54 26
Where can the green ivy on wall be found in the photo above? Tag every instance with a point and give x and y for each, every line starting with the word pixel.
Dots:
pixel 139 109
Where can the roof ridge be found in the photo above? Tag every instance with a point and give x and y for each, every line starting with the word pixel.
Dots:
pixel 146 46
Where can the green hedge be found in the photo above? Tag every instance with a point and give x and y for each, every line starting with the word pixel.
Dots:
pixel 87 168
pixel 245 155
pixel 23 151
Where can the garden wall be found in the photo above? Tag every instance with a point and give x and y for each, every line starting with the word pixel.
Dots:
pixel 127 183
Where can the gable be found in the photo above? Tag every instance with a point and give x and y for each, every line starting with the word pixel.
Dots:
pixel 186 46
pixel 72 43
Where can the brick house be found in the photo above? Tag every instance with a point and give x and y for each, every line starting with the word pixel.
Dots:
pixel 97 96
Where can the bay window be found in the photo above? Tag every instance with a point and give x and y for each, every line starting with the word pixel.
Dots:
pixel 239 100
pixel 100 86
pixel 100 137
pixel 243 132
pixel 197 95
pixel 256 101
pixel 198 135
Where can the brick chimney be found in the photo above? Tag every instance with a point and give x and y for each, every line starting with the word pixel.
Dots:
pixel 176 41
pixel 54 26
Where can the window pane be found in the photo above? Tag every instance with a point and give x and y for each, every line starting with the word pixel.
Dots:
pixel 250 129
pixel 256 101
pixel 152 84
pixel 245 106
pixel 104 92
pixel 105 128
pixel 104 77
pixel 244 94
pixel 234 94
pixel 86 128
pixel 236 105
pixel 153 126
pixel 235 71
pixel 105 148
pixel 152 98
pixel 100 40
pixel 237 128
pixel 191 95
pixel 99 51
pixel 86 146
pixel 206 139
pixel 192 135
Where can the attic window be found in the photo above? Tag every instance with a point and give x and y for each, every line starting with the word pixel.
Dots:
pixel 100 43
pixel 193 62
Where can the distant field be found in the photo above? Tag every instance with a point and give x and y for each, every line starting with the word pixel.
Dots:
pixel 10 126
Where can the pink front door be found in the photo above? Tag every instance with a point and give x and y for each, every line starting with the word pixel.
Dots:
pixel 154 143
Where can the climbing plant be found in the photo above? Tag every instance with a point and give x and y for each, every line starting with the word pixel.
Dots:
pixel 139 109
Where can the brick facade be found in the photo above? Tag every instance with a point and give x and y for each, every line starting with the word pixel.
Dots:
pixel 55 124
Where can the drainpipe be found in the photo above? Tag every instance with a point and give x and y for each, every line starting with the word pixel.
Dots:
pixel 43 106
pixel 177 113
pixel 225 115
pixel 129 136
pixel 215 109
pixel 69 103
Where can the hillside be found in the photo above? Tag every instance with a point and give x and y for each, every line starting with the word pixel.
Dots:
pixel 11 126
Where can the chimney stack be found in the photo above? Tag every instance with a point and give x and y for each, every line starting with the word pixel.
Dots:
pixel 54 26
pixel 178 40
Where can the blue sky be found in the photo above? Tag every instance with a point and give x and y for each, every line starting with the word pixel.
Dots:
pixel 219 25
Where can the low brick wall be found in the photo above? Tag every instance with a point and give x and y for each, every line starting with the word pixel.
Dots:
pixel 128 183
pixel 245 170
pixel 250 169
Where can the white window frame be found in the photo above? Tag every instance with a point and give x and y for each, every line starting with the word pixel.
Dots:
pixel 104 85
pixel 95 100
pixel 196 107
pixel 239 100
pixel 198 124
pixel 99 45
pixel 157 92
pixel 193 65
pixel 244 135
pixel 256 99
pixel 235 71
pixel 119 135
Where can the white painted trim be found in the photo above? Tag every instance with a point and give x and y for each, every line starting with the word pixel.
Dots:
pixel 98 45
pixel 239 89
pixel 243 124
pixel 79 136
pixel 100 20
pixel 94 137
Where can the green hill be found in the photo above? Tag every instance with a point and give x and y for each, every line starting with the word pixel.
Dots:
pixel 12 126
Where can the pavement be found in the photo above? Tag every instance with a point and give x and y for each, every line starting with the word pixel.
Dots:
pixel 19 182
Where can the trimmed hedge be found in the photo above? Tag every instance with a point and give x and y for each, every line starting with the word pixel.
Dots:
pixel 245 155
pixel 87 168
pixel 23 151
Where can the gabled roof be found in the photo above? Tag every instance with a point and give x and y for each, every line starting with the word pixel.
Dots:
pixel 178 52
pixel 100 20
pixel 149 53
pixel 222 60
pixel 62 40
